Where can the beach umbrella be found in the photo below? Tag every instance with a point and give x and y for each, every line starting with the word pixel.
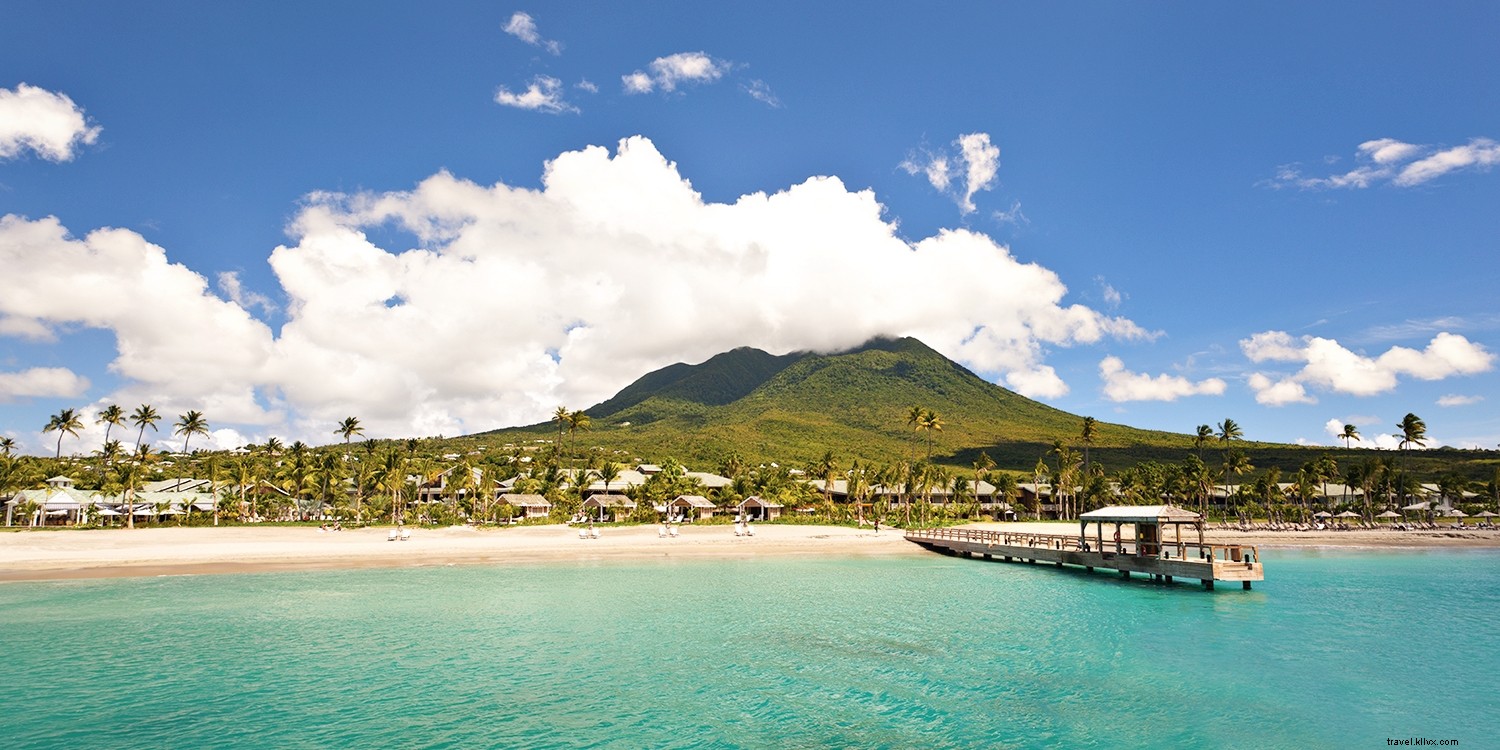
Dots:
pixel 1389 514
pixel 1322 514
pixel 1486 514
pixel 1348 514
pixel 1456 513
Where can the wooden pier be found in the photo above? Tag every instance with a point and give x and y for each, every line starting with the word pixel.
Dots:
pixel 1145 552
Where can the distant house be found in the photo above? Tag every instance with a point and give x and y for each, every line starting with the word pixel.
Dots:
pixel 608 506
pixel 526 505
pixel 692 507
pixel 756 509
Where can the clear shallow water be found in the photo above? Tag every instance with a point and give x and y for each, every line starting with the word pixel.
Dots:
pixel 1336 650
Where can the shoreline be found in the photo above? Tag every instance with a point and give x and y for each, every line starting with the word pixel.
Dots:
pixel 152 552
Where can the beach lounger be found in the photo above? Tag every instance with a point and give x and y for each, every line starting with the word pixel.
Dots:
pixel 594 533
pixel 672 530
pixel 391 537
pixel 739 529
pixel 406 535
pixel 583 533
pixel 661 532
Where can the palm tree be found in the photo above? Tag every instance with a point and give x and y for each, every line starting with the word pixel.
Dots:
pixel 144 416
pixel 1350 433
pixel 1205 434
pixel 348 428
pixel 1413 432
pixel 1090 431
pixel 1230 431
pixel 578 420
pixel 1235 464
pixel 982 467
pixel 914 421
pixel 932 423
pixel 561 417
pixel 1006 489
pixel 111 416
pixel 188 425
pixel 826 469
pixel 65 422
pixel 7 445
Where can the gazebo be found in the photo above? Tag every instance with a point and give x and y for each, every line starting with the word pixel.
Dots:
pixel 1147 520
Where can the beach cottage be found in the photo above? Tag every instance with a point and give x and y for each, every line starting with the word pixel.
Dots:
pixel 608 506
pixel 692 508
pixel 756 509
pixel 525 506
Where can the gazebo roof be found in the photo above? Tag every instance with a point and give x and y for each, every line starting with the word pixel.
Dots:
pixel 1140 514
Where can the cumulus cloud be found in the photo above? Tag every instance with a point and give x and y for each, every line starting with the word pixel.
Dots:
pixel 522 26
pixel 1280 392
pixel 1454 399
pixel 1330 366
pixel 177 343
pixel 46 123
pixel 1122 385
pixel 543 95
pixel 670 72
pixel 41 382
pixel 1393 162
pixel 509 301
pixel 973 168
pixel 229 284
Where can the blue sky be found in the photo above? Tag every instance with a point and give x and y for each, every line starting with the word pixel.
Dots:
pixel 454 217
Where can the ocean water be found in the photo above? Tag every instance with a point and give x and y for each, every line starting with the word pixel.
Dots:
pixel 1336 649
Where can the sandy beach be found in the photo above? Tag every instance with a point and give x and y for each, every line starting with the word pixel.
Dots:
pixel 60 554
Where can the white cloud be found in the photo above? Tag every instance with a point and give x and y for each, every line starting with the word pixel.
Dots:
pixel 587 85
pixel 670 72
pixel 48 124
pixel 42 382
pixel 1112 296
pixel 177 342
pixel 522 26
pixel 516 300
pixel 975 166
pixel 1122 385
pixel 543 95
pixel 1330 366
pixel 759 91
pixel 1454 399
pixel 1012 216
pixel 229 284
pixel 1270 392
pixel 637 83
pixel 1389 161
pixel 981 164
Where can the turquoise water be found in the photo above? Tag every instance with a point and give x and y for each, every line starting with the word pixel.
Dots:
pixel 1335 650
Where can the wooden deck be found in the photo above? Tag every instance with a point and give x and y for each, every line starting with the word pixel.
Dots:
pixel 1163 562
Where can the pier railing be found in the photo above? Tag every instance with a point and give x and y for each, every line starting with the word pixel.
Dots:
pixel 1175 550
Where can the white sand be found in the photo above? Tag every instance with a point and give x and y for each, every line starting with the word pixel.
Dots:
pixel 38 555
pixel 52 554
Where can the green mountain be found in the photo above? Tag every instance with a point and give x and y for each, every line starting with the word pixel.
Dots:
pixel 792 408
